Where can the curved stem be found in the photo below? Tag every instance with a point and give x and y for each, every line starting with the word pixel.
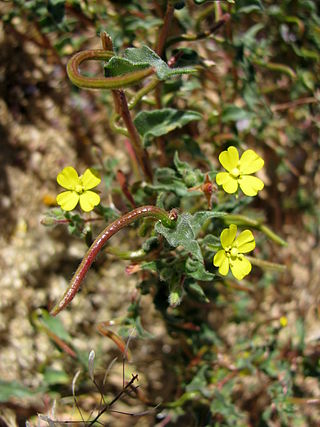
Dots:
pixel 142 92
pixel 168 220
pixel 267 265
pixel 244 220
pixel 102 82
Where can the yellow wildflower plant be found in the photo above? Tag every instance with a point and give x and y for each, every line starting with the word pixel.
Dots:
pixel 231 255
pixel 239 171
pixel 78 189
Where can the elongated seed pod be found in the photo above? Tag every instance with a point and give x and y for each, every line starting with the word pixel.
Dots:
pixel 168 220
pixel 102 82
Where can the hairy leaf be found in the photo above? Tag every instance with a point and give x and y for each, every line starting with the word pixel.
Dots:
pixel 160 122
pixel 134 59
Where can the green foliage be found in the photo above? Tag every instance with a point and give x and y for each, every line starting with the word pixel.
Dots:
pixel 140 58
pixel 251 83
pixel 160 122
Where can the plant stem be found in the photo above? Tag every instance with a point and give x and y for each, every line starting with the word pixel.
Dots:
pixel 135 139
pixel 142 92
pixel 194 37
pixel 267 265
pixel 244 220
pixel 168 220
pixel 102 82
pixel 121 106
pixel 165 29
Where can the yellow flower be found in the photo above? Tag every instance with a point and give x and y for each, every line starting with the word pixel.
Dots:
pixel 239 171
pixel 231 256
pixel 283 321
pixel 78 189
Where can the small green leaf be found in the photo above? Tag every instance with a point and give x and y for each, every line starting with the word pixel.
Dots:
pixel 199 218
pixel 57 8
pixel 118 66
pixel 232 113
pixel 183 235
pixel 196 270
pixel 160 122
pixel 199 381
pixel 55 325
pixel 54 376
pixel 149 265
pixel 191 176
pixel 134 59
pixel 248 6
pixel 195 291
pixel 13 389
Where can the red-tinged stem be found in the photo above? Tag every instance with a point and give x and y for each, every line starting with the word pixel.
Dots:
pixel 168 220
pixel 165 29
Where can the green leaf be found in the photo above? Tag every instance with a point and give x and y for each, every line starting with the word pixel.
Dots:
pixel 134 59
pixel 195 291
pixel 53 377
pixel 248 6
pixel 166 180
pixel 55 325
pixel 191 176
pixel 118 66
pixel 14 389
pixel 56 9
pixel 199 218
pixel 199 381
pixel 149 265
pixel 232 113
pixel 183 235
pixel 196 270
pixel 160 122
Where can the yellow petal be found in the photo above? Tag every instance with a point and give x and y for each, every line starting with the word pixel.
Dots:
pixel 228 235
pixel 88 200
pixel 250 185
pixel 68 200
pixel 220 260
pixel 90 179
pixel 229 159
pixel 68 178
pixel 250 162
pixel 245 242
pixel 240 268
pixel 228 182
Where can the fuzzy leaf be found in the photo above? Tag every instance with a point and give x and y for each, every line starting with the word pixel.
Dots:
pixel 134 59
pixel 160 122
pixel 183 235
pixel 199 218
pixel 196 270
pixel 196 291
pixel 191 176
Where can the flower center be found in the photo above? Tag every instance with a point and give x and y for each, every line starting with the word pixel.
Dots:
pixel 235 172
pixel 234 252
pixel 78 188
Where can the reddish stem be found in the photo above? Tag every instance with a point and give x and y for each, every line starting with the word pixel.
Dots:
pixel 144 211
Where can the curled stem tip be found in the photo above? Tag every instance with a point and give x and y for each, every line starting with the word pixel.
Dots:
pixel 102 82
pixel 168 220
